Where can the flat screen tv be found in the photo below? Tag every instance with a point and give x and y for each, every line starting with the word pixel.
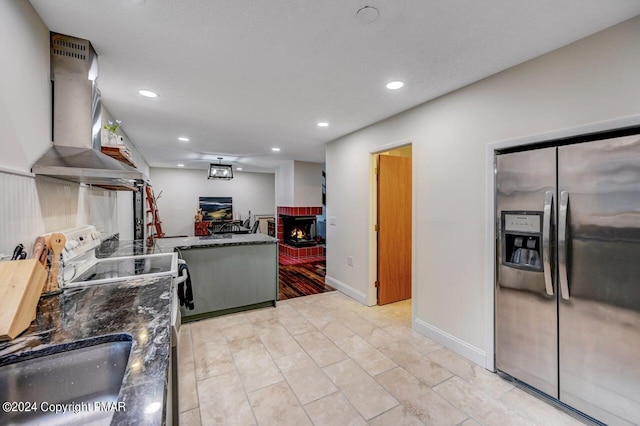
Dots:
pixel 216 208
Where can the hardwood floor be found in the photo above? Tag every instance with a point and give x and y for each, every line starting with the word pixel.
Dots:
pixel 302 280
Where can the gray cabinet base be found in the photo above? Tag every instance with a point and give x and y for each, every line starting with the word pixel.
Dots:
pixel 229 279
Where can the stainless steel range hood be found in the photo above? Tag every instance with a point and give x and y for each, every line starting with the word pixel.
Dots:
pixel 77 122
pixel 86 165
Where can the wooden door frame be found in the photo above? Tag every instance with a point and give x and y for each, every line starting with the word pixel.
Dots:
pixel 372 296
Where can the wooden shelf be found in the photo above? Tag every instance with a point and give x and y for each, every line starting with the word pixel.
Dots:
pixel 120 153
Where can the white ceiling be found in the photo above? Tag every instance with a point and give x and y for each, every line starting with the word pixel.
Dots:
pixel 241 76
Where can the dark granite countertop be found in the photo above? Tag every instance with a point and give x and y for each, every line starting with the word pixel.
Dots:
pixel 139 308
pixel 114 247
pixel 216 240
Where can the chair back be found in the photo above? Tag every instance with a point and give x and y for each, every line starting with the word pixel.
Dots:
pixel 229 227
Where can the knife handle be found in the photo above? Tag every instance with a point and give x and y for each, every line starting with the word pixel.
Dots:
pixel 40 251
pixel 43 256
pixel 17 251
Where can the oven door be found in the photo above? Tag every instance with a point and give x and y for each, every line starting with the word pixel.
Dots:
pixel 176 319
pixel 176 316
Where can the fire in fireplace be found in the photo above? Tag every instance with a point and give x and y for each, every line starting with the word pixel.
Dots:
pixel 299 231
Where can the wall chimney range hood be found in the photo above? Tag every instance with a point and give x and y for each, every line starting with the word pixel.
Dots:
pixel 77 122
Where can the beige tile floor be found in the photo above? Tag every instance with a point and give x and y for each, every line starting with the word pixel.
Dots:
pixel 328 360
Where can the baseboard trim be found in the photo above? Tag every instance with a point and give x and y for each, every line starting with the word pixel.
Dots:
pixel 459 346
pixel 346 289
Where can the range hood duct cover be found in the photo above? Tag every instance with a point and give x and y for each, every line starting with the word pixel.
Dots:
pixel 77 121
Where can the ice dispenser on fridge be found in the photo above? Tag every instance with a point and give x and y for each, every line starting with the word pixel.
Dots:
pixel 521 240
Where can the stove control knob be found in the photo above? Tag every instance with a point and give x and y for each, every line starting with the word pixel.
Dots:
pixel 69 246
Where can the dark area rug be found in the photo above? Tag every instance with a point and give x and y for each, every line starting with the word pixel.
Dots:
pixel 302 280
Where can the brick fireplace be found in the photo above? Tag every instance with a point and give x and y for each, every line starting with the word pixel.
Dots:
pixel 297 232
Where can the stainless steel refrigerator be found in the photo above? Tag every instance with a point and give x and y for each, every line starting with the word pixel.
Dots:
pixel 568 274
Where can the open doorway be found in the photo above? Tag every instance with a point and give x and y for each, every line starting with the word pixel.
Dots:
pixel 393 251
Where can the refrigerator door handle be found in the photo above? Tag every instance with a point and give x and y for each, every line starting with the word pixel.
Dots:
pixel 546 242
pixel 562 245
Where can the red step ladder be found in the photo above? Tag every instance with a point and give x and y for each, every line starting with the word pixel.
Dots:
pixel 154 225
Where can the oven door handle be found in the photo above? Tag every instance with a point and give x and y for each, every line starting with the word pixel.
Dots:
pixel 181 278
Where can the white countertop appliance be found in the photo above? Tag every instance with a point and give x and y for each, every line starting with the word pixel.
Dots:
pixel 80 267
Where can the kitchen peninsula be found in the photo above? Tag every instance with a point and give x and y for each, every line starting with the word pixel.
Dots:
pixel 229 272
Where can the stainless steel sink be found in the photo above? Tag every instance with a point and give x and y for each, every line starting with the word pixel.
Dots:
pixel 82 377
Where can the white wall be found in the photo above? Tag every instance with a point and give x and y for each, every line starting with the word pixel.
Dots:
pixel 284 184
pixel 25 86
pixel 33 205
pixel 594 79
pixel 307 191
pixel 299 184
pixel 182 188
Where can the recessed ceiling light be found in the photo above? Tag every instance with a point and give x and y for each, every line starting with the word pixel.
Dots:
pixel 394 85
pixel 183 139
pixel 323 124
pixel 180 165
pixel 238 168
pixel 148 93
pixel 275 149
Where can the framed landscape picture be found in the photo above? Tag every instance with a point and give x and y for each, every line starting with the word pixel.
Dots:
pixel 216 208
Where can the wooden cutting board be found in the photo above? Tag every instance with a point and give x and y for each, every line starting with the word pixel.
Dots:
pixel 21 283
